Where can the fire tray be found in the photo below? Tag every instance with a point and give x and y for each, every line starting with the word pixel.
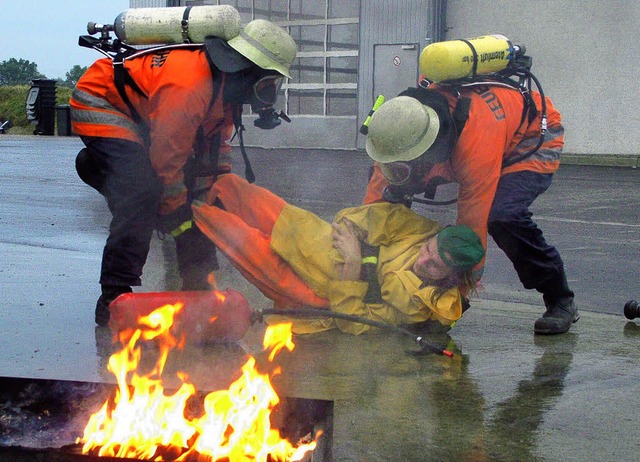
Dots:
pixel 41 419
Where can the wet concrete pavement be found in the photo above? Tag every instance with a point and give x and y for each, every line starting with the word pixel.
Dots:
pixel 506 395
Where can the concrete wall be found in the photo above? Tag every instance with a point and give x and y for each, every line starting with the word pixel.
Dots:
pixel 583 54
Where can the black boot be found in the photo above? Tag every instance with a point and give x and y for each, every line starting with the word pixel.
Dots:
pixel 561 310
pixel 109 294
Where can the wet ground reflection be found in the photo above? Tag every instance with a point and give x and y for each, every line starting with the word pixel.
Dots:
pixel 393 404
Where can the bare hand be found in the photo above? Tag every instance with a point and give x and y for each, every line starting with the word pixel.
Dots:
pixel 347 243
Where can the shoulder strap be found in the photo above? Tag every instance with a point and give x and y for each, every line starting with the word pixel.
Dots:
pixel 121 78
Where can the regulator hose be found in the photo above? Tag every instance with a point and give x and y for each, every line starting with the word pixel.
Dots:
pixel 318 313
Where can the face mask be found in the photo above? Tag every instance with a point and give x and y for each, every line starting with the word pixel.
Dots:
pixel 403 173
pixel 262 98
pixel 265 91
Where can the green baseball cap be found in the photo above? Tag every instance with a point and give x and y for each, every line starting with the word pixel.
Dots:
pixel 460 247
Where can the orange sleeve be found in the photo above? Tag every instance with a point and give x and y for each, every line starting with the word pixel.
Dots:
pixel 376 186
pixel 178 103
pixel 477 162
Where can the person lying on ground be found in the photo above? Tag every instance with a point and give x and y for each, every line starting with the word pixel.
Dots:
pixel 382 261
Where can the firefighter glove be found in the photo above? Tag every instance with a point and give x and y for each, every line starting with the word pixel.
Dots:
pixel 196 256
pixel 177 222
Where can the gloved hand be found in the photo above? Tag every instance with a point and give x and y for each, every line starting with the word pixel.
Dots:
pixel 196 256
pixel 177 222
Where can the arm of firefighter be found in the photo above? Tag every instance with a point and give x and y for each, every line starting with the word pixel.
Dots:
pixel 176 112
pixel 225 159
pixel 214 149
pixel 376 186
pixel 477 162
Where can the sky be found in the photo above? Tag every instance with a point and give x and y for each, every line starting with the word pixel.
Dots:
pixel 46 32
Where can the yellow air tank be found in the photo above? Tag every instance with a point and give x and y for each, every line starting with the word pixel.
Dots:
pixel 173 25
pixel 459 59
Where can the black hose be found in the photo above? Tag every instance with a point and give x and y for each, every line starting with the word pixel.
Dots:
pixel 316 313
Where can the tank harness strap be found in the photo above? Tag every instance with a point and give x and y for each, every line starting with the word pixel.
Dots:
pixel 185 25
pixel 460 113
pixel 475 58
pixel 122 78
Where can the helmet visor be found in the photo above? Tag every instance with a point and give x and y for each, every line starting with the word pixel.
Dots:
pixel 397 173
pixel 266 89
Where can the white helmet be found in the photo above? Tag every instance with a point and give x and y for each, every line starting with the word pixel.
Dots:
pixel 267 45
pixel 401 130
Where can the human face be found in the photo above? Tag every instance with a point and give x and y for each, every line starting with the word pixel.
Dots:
pixel 429 265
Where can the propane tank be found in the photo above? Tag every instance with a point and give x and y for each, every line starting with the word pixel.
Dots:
pixel 173 25
pixel 459 59
pixel 208 316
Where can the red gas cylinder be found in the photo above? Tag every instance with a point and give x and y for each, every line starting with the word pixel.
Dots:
pixel 208 316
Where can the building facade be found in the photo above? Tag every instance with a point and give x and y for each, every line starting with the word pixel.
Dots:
pixel 341 66
pixel 353 50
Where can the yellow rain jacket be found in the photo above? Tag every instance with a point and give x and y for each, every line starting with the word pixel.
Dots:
pixel 305 242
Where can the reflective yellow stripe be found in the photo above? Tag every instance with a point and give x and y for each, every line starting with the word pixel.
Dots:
pixel 372 259
pixel 182 228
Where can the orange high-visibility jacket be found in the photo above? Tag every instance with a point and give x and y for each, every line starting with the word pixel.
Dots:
pixel 491 136
pixel 178 110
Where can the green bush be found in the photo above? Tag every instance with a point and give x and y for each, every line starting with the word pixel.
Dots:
pixel 13 106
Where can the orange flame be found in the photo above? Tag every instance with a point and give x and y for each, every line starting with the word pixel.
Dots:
pixel 142 422
pixel 278 337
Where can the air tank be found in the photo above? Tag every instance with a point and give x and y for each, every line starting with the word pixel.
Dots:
pixel 174 25
pixel 459 59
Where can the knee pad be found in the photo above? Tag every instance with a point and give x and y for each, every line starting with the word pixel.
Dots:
pixel 87 169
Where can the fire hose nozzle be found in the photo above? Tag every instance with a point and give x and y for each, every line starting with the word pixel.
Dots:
pixel 631 309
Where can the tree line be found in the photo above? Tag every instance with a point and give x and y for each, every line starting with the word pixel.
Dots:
pixel 21 72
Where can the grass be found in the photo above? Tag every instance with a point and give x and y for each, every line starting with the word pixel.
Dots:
pixel 13 102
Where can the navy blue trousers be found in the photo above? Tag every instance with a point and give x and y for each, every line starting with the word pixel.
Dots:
pixel 538 263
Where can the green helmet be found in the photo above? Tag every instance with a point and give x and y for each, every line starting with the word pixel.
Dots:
pixel 267 45
pixel 401 130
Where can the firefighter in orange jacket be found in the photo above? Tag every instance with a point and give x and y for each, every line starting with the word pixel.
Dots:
pixel 483 140
pixel 154 147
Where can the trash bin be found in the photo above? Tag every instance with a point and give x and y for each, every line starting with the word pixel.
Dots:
pixel 40 106
pixel 63 119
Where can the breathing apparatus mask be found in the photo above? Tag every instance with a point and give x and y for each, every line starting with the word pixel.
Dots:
pixel 407 173
pixel 259 89
pixel 248 83
pixel 263 96
pixel 406 178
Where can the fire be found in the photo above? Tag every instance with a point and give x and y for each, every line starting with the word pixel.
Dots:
pixel 144 422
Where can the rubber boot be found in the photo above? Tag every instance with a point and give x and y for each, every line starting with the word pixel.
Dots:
pixel 109 294
pixel 561 310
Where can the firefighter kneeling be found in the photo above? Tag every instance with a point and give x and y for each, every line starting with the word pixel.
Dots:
pixel 159 144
